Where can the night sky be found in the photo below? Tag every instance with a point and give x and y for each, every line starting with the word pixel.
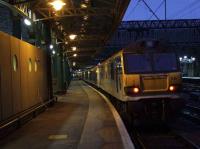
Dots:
pixel 176 9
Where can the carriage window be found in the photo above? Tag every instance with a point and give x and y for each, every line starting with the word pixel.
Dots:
pixel 112 70
pixel 29 65
pixel 165 62
pixel 102 72
pixel 15 63
pixel 36 67
pixel 137 63
pixel 118 65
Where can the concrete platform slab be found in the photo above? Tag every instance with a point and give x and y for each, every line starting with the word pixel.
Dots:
pixel 81 119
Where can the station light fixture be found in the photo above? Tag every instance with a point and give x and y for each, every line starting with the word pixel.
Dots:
pixel 83 5
pixel 72 36
pixel 27 22
pixel 193 58
pixel 85 18
pixel 74 63
pixel 53 52
pixel 51 46
pixel 185 59
pixel 66 42
pixel 75 55
pixel 57 4
pixel 74 48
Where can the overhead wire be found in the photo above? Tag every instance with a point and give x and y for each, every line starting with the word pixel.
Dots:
pixel 190 11
pixel 157 8
pixel 150 9
pixel 180 11
pixel 132 11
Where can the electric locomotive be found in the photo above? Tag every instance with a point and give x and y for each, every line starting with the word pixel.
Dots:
pixel 144 78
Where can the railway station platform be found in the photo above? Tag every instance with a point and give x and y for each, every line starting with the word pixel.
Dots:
pixel 80 119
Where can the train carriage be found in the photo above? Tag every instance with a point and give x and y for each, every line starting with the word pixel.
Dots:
pixel 145 77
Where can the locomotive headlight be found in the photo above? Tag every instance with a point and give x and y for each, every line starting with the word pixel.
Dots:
pixel 172 88
pixel 131 90
pixel 136 90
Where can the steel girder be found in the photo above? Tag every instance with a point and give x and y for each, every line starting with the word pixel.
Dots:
pixel 75 12
pixel 159 24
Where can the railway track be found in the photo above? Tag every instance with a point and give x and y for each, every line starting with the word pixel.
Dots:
pixel 160 138
pixel 192 113
pixel 153 137
pixel 193 90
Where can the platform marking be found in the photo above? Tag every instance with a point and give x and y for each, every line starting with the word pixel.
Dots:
pixel 127 142
pixel 57 137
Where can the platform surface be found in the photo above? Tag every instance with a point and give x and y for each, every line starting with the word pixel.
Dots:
pixel 81 119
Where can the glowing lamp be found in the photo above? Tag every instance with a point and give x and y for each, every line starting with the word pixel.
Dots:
pixel 27 22
pixel 51 46
pixel 72 36
pixel 53 52
pixel 58 4
pixel 74 64
pixel 83 6
pixel 74 48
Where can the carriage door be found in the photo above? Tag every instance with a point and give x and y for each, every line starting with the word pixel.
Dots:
pixel 118 71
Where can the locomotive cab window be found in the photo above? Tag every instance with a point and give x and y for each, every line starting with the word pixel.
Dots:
pixel 137 63
pixel 150 63
pixel 165 62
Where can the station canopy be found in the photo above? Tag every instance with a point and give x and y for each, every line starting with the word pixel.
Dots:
pixel 92 21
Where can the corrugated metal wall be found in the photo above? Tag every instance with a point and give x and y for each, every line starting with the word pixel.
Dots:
pixel 23 77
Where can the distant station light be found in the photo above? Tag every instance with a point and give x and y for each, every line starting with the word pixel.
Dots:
pixel 85 18
pixel 185 59
pixel 75 55
pixel 83 5
pixel 51 46
pixel 57 4
pixel 53 52
pixel 66 42
pixel 74 48
pixel 27 22
pixel 74 63
pixel 193 58
pixel 72 36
